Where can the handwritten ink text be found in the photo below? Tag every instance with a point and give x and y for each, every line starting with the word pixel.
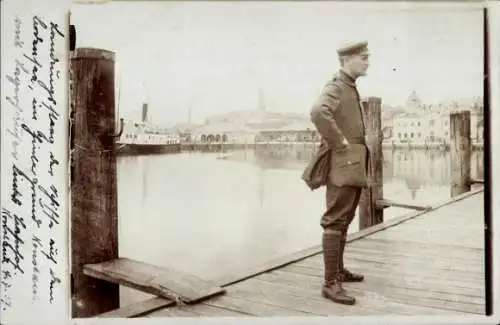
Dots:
pixel 12 239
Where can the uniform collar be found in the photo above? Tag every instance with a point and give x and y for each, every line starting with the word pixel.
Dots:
pixel 343 76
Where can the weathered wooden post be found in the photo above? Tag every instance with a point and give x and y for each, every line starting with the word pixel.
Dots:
pixel 460 152
pixel 369 213
pixel 94 227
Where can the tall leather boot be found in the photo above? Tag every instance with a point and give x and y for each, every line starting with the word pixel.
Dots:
pixel 343 242
pixel 332 287
pixel 346 275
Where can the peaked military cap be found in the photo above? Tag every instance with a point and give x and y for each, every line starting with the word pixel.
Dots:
pixel 353 48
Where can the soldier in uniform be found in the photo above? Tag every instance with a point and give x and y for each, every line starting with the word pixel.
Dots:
pixel 338 118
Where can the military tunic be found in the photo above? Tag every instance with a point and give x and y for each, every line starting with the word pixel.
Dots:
pixel 337 114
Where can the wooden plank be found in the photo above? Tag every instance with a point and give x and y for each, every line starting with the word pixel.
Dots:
pixel 476 271
pixel 416 281
pixel 402 273
pixel 472 215
pixel 461 226
pixel 175 311
pixel 437 237
pixel 461 241
pixel 423 298
pixel 450 272
pixel 367 302
pixel 419 257
pixel 385 203
pixel 252 307
pixel 465 214
pixel 367 298
pixel 198 310
pixel 206 310
pixel 175 285
pixel 477 203
pixel 472 287
pixel 409 248
pixel 249 272
pixel 399 220
pixel 242 290
pixel 409 262
pixel 422 254
pixel 156 302
pixel 473 222
pixel 469 290
pixel 389 263
pixel 439 222
pixel 139 308
pixel 388 243
pixel 267 293
pixel 464 218
pixel 461 229
pixel 402 295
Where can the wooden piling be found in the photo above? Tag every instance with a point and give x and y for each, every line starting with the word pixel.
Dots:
pixel 94 227
pixel 369 212
pixel 460 152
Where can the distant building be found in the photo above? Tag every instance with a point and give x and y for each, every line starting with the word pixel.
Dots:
pixel 413 128
pixel 184 130
pixel 413 103
pixel 477 122
pixel 224 132
pixel 298 131
pixel 257 119
pixel 430 125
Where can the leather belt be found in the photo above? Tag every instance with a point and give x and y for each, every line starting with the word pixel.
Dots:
pixel 356 140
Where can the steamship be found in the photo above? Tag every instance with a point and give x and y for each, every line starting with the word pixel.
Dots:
pixel 142 137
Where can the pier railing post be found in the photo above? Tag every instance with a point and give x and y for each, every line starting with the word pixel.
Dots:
pixel 369 213
pixel 460 152
pixel 94 227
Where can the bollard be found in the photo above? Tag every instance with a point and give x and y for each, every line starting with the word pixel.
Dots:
pixel 460 152
pixel 94 227
pixel 369 213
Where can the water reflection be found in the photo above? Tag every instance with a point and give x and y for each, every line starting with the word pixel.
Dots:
pixel 209 213
pixel 418 168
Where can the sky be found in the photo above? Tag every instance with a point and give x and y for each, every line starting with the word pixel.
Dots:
pixel 215 56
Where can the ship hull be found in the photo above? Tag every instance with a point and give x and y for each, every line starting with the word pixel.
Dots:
pixel 147 149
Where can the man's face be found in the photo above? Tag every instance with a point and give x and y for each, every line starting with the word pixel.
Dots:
pixel 357 64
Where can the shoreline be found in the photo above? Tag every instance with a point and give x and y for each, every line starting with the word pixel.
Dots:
pixel 216 147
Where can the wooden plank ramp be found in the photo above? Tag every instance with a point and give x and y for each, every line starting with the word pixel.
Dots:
pixel 424 263
pixel 172 284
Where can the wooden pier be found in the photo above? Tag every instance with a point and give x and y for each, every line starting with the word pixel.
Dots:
pixel 424 263
pixel 431 261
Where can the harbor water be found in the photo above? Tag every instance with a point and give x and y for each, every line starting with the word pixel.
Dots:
pixel 211 213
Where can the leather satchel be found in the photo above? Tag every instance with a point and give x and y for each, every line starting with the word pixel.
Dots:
pixel 349 166
pixel 317 171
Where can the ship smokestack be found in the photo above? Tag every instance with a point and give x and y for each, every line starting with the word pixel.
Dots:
pixel 145 112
